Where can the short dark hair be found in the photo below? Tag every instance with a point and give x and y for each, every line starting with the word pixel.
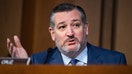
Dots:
pixel 67 7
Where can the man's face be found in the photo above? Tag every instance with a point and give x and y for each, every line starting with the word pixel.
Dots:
pixel 69 32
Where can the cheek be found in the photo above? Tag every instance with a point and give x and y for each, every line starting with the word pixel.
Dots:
pixel 59 38
pixel 81 35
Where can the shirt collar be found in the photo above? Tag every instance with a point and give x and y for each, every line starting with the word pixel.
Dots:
pixel 66 59
pixel 82 57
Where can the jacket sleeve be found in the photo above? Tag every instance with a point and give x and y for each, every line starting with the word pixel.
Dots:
pixel 123 59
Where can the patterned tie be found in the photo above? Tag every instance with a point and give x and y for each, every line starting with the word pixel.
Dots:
pixel 73 61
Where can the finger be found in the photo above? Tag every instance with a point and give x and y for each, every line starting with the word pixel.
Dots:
pixel 14 51
pixel 8 43
pixel 17 41
pixel 10 48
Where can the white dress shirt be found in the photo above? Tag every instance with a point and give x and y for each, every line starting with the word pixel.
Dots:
pixel 82 57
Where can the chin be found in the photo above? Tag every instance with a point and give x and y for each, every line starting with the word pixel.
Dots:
pixel 73 49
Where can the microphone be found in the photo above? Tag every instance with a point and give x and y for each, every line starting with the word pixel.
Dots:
pixel 49 50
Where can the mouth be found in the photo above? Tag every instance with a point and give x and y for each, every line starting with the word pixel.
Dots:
pixel 71 45
pixel 71 42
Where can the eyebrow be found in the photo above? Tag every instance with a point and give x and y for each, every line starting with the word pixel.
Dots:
pixel 61 23
pixel 74 20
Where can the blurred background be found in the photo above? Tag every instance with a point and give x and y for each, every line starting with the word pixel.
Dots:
pixel 110 24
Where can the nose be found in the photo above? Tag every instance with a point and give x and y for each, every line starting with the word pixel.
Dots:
pixel 70 32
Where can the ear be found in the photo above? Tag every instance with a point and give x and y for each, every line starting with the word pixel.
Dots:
pixel 52 33
pixel 86 28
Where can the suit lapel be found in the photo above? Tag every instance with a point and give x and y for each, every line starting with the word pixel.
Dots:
pixel 55 57
pixel 93 54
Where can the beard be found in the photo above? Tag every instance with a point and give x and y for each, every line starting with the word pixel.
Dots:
pixel 63 48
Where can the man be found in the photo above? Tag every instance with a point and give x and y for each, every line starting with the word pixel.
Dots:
pixel 69 30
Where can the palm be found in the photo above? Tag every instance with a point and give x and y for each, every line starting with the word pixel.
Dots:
pixel 16 51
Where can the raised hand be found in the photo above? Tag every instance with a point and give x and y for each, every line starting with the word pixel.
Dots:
pixel 16 50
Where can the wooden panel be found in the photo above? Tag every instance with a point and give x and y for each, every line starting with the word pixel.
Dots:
pixel 46 69
pixel 123 41
pixel 107 23
pixel 10 22
pixel 28 22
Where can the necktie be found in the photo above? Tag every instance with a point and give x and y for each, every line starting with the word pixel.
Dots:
pixel 73 61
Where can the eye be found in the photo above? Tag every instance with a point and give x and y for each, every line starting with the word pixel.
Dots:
pixel 76 25
pixel 62 27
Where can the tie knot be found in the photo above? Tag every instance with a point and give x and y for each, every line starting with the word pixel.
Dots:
pixel 73 61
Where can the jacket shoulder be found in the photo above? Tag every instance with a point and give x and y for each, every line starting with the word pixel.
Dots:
pixel 107 56
pixel 40 58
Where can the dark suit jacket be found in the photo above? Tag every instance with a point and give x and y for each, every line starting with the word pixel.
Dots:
pixel 96 55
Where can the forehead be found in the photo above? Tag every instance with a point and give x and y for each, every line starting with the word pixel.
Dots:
pixel 66 16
